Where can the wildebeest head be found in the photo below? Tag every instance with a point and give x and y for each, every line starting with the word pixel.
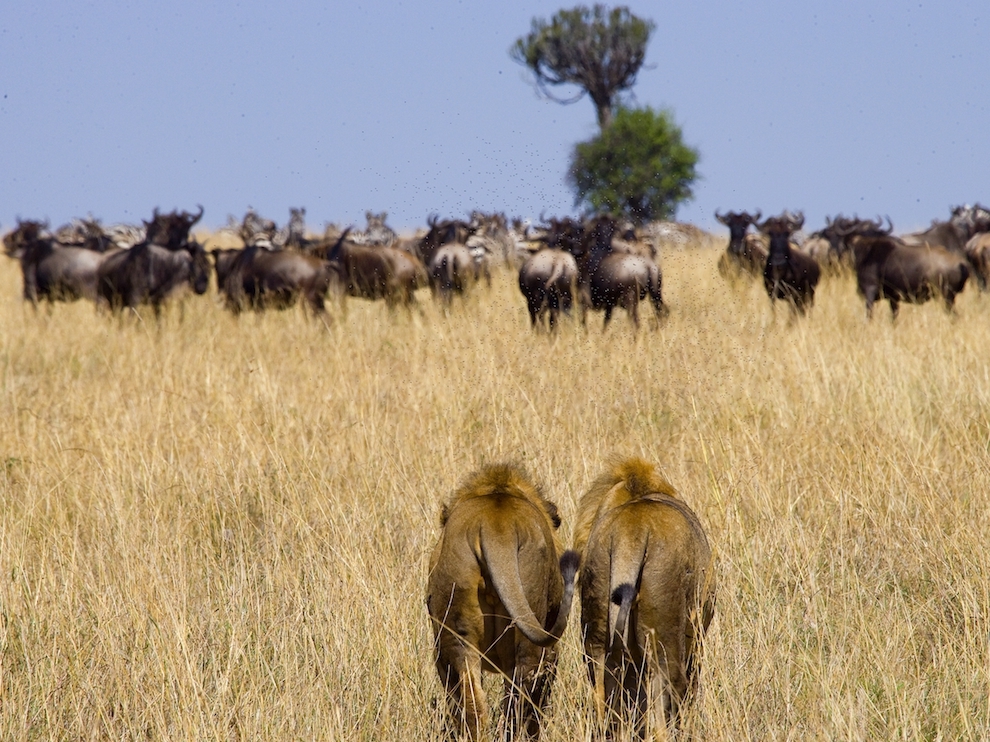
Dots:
pixel 442 233
pixel 28 232
pixel 598 234
pixel 564 234
pixel 171 230
pixel 851 229
pixel 200 273
pixel 738 222
pixel 779 230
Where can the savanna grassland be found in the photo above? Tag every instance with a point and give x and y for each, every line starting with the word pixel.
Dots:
pixel 217 528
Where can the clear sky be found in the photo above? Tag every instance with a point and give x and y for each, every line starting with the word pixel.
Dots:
pixel 114 108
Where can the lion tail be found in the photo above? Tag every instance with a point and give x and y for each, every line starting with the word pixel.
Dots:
pixel 622 597
pixel 508 583
pixel 628 556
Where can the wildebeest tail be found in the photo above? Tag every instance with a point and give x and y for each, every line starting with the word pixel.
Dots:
pixel 555 274
pixel 334 252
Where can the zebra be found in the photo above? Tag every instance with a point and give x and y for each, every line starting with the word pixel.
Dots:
pixel 377 233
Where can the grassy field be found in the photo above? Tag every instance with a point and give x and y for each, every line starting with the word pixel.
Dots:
pixel 217 528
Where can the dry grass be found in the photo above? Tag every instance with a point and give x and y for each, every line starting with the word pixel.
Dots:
pixel 218 529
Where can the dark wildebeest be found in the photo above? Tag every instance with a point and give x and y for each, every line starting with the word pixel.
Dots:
pixel 450 264
pixel 548 279
pixel 52 271
pixel 609 279
pixel 376 272
pixel 171 230
pixel 788 273
pixel 150 274
pixel 952 235
pixel 259 278
pixel 745 253
pixel 887 268
pixel 828 248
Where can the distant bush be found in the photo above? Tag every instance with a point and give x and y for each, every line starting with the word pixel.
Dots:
pixel 638 166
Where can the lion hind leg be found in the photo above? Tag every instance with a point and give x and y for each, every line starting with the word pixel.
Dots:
pixel 527 695
pixel 473 704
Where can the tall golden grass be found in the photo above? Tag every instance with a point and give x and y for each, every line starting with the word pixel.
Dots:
pixel 217 528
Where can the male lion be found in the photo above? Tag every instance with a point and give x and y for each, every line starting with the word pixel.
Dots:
pixel 494 585
pixel 647 596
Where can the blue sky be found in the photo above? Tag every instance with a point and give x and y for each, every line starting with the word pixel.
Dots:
pixel 114 108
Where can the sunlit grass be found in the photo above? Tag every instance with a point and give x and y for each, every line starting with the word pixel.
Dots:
pixel 217 528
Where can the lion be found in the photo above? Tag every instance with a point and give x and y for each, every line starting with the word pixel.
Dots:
pixel 494 585
pixel 647 596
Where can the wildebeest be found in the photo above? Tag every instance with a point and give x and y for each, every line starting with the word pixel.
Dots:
pixel 746 253
pixel 647 597
pixel 887 268
pixel 376 272
pixel 150 274
pixel 977 252
pixel 450 264
pixel 259 278
pixel 548 279
pixel 52 271
pixel 609 279
pixel 171 230
pixel 788 273
pixel 952 235
pixel 827 247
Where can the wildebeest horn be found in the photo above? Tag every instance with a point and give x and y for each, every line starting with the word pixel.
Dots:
pixel 796 220
pixel 198 216
pixel 720 217
pixel 757 215
pixel 432 220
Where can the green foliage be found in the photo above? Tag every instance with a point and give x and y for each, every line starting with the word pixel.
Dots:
pixel 638 167
pixel 598 49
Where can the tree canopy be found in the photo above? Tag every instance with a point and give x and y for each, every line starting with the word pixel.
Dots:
pixel 597 49
pixel 638 166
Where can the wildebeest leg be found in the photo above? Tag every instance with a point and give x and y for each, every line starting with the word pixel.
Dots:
pixel 533 310
pixel 634 310
pixel 950 300
pixel 316 303
pixel 608 317
pixel 871 295
pixel 894 308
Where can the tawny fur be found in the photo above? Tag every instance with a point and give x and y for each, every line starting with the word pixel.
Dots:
pixel 646 596
pixel 497 598
pixel 625 480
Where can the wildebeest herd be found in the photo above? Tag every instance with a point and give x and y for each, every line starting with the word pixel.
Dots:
pixel 499 593
pixel 567 262
pixel 910 268
pixel 564 265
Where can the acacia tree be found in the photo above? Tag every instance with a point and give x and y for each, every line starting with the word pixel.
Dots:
pixel 600 50
pixel 638 166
